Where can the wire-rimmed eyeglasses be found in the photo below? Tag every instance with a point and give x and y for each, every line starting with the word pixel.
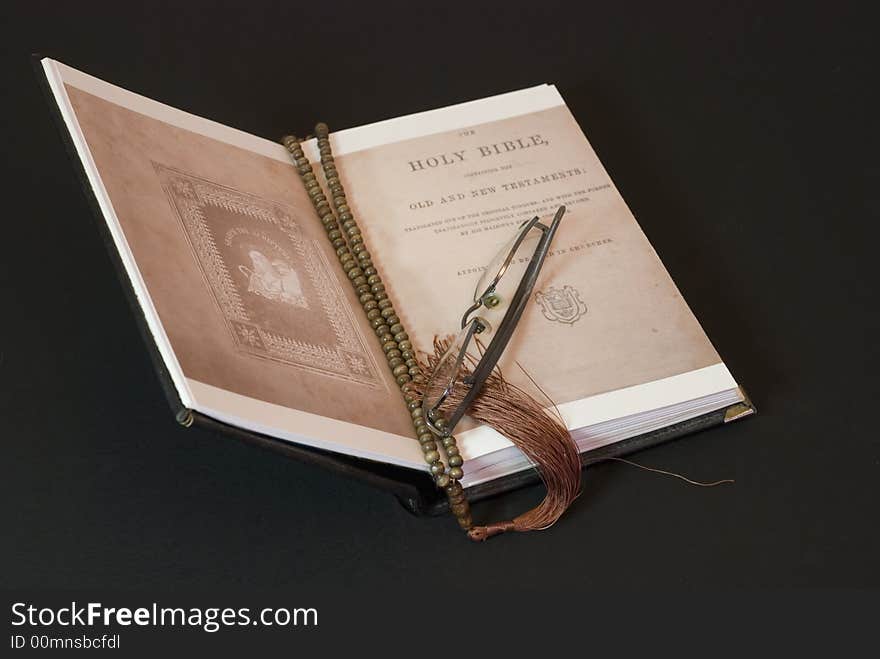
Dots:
pixel 530 244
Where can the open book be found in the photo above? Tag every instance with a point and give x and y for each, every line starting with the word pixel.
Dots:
pixel 256 328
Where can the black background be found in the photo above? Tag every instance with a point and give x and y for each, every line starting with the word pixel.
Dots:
pixel 743 136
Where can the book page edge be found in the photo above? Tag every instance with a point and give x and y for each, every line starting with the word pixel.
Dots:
pixel 305 428
pixel 616 404
pixel 56 81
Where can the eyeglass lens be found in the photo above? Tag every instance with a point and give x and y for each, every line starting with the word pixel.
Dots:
pixel 501 277
pixel 443 378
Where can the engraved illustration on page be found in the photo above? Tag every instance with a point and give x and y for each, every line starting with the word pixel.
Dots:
pixel 276 291
pixel 561 305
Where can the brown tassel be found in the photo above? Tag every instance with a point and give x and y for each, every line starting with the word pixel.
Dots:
pixel 542 438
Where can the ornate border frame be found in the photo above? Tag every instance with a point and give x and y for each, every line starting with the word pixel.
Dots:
pixel 189 196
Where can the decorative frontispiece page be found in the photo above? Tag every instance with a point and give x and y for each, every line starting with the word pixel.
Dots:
pixel 246 286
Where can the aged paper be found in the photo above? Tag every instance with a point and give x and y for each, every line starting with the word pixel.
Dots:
pixel 248 290
pixel 248 306
pixel 435 209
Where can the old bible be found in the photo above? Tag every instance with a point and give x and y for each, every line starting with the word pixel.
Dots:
pixel 255 331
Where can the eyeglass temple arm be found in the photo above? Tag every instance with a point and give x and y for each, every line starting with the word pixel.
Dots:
pixel 511 318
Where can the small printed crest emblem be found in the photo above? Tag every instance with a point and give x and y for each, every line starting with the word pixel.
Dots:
pixel 561 305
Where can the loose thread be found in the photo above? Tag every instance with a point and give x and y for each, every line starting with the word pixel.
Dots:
pixel 629 462
pixel 724 481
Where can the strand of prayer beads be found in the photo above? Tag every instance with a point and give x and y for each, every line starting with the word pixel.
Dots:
pixel 346 238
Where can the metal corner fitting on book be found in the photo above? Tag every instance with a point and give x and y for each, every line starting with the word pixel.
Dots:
pixel 184 417
pixel 740 410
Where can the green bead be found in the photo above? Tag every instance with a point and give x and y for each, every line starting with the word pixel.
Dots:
pixel 403 379
pixel 427 437
pixel 465 522
pixel 373 314
pixel 456 473
pixel 416 413
pixel 413 405
pixel 442 480
pixel 429 446
pixel 431 457
pixel 454 460
pixel 437 468
pixel 455 488
pixel 400 370
pixel 459 509
pixel 394 362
